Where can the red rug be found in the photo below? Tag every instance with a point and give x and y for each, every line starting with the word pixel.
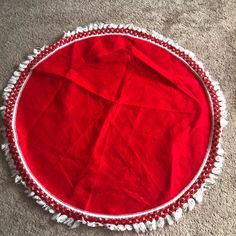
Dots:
pixel 114 126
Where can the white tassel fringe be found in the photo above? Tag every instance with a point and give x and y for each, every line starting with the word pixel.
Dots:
pixel 138 227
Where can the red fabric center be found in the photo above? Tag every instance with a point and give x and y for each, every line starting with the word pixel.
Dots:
pixel 113 124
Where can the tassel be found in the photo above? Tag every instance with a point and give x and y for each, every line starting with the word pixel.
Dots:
pixel 160 222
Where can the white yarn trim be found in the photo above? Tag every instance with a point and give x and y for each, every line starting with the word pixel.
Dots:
pixel 138 227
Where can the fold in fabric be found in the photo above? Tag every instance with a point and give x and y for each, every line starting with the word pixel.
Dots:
pixel 113 124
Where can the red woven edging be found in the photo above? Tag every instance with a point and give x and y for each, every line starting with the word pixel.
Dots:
pixel 129 220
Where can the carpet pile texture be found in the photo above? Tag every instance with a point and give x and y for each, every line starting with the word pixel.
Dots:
pixel 208 28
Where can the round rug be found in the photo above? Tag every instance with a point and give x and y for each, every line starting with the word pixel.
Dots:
pixel 114 126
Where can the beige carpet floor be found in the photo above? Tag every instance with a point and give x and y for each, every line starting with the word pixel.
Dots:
pixel 207 28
